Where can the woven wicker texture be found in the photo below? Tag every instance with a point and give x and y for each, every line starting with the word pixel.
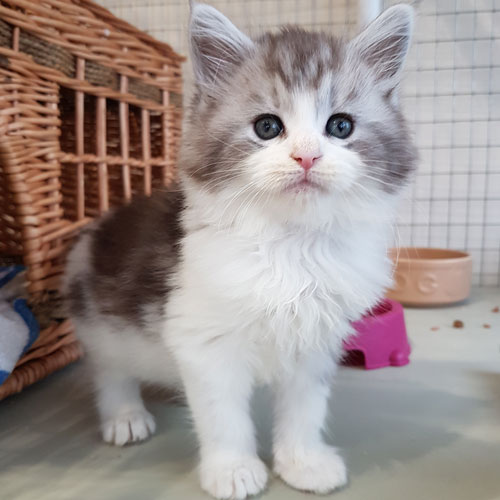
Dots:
pixel 90 115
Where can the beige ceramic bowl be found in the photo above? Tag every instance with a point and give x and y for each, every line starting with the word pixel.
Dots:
pixel 430 276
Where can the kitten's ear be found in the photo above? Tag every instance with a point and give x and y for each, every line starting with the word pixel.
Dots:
pixel 384 43
pixel 216 44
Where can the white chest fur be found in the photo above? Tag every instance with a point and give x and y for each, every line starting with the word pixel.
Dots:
pixel 296 290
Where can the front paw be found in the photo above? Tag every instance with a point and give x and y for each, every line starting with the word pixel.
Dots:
pixel 319 469
pixel 129 427
pixel 229 476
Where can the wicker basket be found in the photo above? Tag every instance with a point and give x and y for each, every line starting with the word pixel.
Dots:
pixel 90 115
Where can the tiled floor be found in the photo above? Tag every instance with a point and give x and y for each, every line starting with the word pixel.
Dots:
pixel 428 431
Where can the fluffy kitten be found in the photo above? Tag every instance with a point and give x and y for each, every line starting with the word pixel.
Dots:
pixel 294 153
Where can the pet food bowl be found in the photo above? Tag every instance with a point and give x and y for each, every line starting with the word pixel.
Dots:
pixel 380 337
pixel 430 276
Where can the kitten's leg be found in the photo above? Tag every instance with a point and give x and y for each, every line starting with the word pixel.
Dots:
pixel 124 419
pixel 218 385
pixel 301 457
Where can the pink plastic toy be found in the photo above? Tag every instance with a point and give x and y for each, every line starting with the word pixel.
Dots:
pixel 381 338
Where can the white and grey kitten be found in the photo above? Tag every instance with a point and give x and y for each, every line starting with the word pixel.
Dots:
pixel 294 154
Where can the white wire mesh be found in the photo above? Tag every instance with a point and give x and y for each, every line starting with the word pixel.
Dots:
pixel 451 95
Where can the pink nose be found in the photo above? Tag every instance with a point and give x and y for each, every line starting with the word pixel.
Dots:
pixel 306 160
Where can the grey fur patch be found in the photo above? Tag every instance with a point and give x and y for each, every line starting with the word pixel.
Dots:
pixel 77 297
pixel 134 252
pixel 298 57
pixel 217 151
pixel 388 152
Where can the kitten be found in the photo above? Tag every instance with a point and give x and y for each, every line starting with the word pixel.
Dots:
pixel 294 155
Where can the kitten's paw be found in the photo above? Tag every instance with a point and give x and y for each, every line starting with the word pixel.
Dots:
pixel 320 469
pixel 232 477
pixel 128 427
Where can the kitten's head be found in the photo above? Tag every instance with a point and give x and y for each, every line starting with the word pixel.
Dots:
pixel 295 121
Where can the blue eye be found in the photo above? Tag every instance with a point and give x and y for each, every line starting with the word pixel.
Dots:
pixel 340 126
pixel 268 127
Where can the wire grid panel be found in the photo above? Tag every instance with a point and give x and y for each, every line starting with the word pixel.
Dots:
pixel 451 95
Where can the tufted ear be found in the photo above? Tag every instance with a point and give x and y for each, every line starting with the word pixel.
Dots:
pixel 216 44
pixel 384 43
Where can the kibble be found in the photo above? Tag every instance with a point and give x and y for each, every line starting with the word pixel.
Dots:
pixel 458 324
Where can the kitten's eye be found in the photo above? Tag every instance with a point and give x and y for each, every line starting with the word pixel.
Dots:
pixel 268 127
pixel 340 126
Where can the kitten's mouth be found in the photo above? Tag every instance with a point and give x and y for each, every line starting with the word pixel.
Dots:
pixel 305 185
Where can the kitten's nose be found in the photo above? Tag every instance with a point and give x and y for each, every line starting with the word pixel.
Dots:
pixel 306 160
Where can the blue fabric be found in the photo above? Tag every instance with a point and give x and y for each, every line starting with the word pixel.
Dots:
pixel 22 308
pixel 18 326
pixel 3 376
pixel 10 273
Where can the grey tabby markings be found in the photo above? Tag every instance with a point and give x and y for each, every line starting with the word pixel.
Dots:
pixel 298 57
